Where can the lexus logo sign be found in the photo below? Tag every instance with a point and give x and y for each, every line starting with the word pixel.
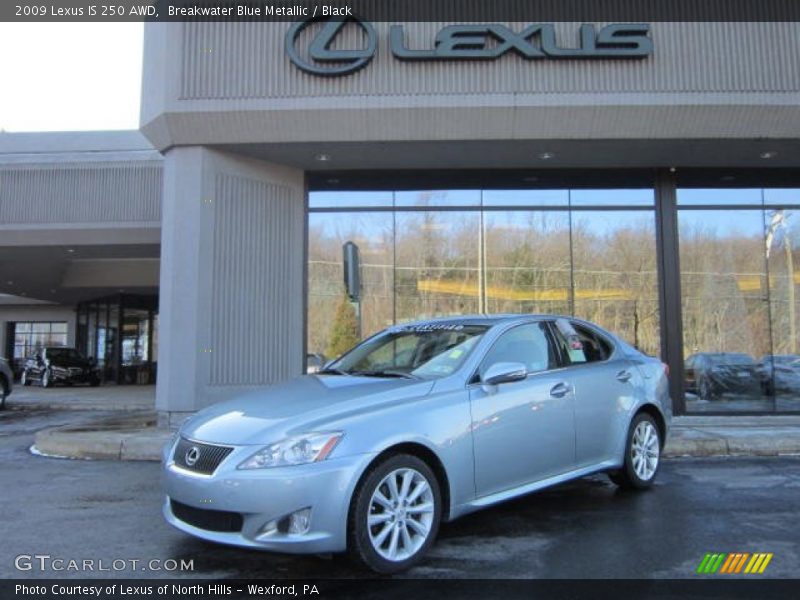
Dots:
pixel 321 58
pixel 192 456
pixel 458 42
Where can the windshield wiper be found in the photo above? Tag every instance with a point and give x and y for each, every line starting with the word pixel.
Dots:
pixel 386 373
pixel 331 371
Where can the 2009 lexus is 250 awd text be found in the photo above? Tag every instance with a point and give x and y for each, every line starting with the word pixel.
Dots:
pixel 421 423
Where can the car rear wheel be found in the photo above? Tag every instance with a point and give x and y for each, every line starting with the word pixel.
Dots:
pixel 642 455
pixel 395 515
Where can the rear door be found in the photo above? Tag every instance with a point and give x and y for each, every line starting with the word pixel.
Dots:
pixel 605 382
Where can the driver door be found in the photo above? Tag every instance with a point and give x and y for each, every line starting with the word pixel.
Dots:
pixel 522 431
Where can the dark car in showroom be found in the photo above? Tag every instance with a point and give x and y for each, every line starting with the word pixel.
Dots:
pixel 709 375
pixel 780 374
pixel 58 364
pixel 6 381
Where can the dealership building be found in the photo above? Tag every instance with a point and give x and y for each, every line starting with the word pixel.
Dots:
pixel 643 177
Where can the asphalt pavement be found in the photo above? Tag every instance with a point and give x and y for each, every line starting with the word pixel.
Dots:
pixel 110 510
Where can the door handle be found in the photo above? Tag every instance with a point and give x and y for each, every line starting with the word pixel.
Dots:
pixel 624 376
pixel 559 390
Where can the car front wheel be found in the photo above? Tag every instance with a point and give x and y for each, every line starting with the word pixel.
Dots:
pixel 642 455
pixel 23 379
pixel 395 515
pixel 46 380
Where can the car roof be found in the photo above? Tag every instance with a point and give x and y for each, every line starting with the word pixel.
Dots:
pixel 478 319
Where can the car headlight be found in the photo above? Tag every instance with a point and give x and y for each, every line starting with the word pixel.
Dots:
pixel 297 450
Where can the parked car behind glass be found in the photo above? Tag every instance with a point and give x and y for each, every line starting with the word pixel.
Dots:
pixel 57 364
pixel 6 381
pixel 780 373
pixel 711 374
pixel 421 423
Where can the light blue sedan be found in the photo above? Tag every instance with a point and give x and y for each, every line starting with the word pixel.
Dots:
pixel 421 423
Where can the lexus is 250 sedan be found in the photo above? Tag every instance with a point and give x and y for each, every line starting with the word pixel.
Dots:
pixel 421 423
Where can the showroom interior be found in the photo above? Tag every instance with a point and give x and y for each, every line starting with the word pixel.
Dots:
pixel 203 253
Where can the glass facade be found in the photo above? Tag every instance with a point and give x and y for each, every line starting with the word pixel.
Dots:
pixel 28 336
pixel 591 253
pixel 588 253
pixel 738 248
pixel 121 334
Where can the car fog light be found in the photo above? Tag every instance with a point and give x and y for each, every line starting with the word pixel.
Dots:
pixel 300 521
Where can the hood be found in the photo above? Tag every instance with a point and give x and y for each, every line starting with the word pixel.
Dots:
pixel 66 362
pixel 303 404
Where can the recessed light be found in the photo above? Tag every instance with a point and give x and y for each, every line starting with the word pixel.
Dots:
pixel 322 157
pixel 769 154
pixel 71 250
pixel 672 169
pixel 546 155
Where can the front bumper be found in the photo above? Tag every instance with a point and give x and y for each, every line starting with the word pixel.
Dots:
pixel 262 496
pixel 75 376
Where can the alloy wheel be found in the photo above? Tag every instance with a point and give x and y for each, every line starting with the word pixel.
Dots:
pixel 401 513
pixel 645 450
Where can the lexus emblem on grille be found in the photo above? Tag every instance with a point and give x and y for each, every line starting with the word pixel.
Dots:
pixel 192 455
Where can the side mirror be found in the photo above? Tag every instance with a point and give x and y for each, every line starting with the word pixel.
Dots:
pixel 504 372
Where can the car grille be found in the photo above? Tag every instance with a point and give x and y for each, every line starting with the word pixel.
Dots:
pixel 210 520
pixel 207 457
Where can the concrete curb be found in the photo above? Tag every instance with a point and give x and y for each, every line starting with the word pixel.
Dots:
pixel 132 437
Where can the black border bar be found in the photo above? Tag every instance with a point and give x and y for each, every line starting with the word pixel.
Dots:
pixel 712 587
pixel 400 11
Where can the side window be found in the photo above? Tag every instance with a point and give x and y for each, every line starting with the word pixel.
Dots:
pixel 527 344
pixel 580 344
pixel 595 347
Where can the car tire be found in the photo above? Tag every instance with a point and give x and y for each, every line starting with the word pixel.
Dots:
pixel 706 390
pixel 46 380
pixel 385 534
pixel 24 379
pixel 642 455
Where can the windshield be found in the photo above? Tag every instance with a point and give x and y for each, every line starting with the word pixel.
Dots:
pixel 63 354
pixel 424 351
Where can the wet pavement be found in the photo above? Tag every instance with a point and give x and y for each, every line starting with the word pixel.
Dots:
pixel 110 510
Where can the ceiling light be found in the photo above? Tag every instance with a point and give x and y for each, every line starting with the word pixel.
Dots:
pixel 769 154
pixel 323 157
pixel 547 155
pixel 531 179
pixel 71 250
pixel 333 181
pixel 9 282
